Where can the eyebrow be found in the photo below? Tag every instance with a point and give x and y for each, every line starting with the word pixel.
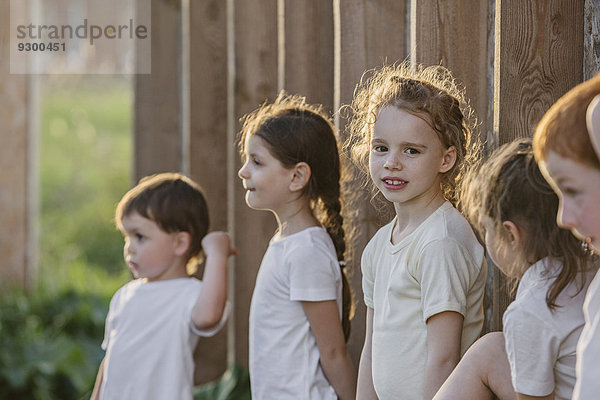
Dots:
pixel 403 144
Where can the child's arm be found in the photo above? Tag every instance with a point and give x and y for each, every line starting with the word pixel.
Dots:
pixel 98 384
pixel 211 302
pixel 365 389
pixel 444 331
pixel 335 360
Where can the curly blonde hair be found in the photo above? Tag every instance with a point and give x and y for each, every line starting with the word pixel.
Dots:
pixel 430 93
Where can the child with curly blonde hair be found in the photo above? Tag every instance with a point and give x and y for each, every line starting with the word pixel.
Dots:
pixel 423 273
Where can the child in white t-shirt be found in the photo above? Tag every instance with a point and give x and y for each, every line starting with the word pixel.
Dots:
pixel 424 273
pixel 154 321
pixel 513 208
pixel 300 310
pixel 566 155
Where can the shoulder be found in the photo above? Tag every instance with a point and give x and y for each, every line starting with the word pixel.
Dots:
pixel 381 237
pixel 447 229
pixel 311 241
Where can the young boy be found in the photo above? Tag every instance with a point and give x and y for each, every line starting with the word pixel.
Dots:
pixel 154 321
pixel 566 155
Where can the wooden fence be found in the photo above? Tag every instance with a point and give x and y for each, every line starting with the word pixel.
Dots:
pixel 214 61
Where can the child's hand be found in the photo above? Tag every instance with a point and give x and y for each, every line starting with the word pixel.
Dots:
pixel 218 243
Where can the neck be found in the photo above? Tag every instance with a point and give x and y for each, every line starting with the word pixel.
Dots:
pixel 295 218
pixel 411 215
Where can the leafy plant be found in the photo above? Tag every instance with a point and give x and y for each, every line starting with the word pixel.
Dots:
pixel 50 344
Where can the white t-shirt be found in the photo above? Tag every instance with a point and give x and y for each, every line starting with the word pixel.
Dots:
pixel 540 343
pixel 284 357
pixel 150 339
pixel 438 267
pixel 588 348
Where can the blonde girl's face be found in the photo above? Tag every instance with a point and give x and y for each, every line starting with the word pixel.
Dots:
pixel 265 179
pixel 407 158
pixel 578 188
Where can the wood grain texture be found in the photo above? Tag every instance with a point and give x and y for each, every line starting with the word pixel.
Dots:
pixel 256 81
pixel 157 125
pixel 371 33
pixel 14 164
pixel 591 39
pixel 209 146
pixel 539 53
pixel 454 33
pixel 308 49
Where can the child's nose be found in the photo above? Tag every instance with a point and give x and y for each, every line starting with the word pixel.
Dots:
pixel 393 161
pixel 566 216
pixel 243 172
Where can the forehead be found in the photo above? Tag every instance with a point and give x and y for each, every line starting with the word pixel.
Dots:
pixel 394 123
pixel 135 221
pixel 560 171
pixel 255 144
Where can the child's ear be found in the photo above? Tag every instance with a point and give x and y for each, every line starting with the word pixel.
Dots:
pixel 181 243
pixel 513 234
pixel 301 176
pixel 448 160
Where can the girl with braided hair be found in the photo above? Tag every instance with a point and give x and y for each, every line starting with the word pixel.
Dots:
pixel 301 305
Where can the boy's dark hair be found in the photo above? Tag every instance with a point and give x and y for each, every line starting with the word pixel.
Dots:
pixel 174 202
pixel 294 132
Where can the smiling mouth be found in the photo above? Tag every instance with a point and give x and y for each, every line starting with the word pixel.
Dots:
pixel 394 182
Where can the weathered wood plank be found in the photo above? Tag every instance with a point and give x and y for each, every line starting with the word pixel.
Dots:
pixel 15 167
pixel 308 50
pixel 209 146
pixel 157 124
pixel 454 33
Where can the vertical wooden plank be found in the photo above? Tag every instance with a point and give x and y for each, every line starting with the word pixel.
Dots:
pixel 369 33
pixel 255 27
pixel 538 57
pixel 591 37
pixel 157 125
pixel 208 143
pixel 539 53
pixel 454 33
pixel 308 50
pixel 15 165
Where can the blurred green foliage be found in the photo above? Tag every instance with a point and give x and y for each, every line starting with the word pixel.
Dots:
pixel 50 339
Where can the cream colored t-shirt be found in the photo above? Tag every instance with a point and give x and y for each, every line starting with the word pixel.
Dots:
pixel 439 267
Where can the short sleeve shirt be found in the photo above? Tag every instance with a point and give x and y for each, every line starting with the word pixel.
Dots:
pixel 284 356
pixel 438 267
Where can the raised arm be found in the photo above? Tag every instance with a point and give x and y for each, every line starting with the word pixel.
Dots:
pixel 336 363
pixel 211 302
pixel 444 331
pixel 365 389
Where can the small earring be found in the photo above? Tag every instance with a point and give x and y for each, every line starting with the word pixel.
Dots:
pixel 585 246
